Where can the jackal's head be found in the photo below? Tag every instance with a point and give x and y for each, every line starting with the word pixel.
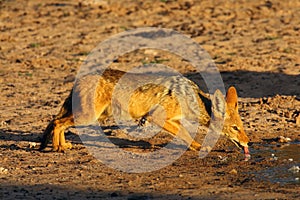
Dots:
pixel 228 110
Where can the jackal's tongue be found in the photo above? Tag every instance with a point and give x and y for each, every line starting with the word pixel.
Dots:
pixel 247 153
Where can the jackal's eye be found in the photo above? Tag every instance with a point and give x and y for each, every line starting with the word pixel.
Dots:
pixel 235 128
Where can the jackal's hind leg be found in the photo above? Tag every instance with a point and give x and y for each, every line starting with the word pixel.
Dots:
pixel 58 140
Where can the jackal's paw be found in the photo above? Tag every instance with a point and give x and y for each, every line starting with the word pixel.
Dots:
pixel 206 149
pixel 62 148
pixel 195 146
pixel 192 148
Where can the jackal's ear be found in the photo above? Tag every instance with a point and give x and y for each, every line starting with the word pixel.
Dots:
pixel 232 98
pixel 218 104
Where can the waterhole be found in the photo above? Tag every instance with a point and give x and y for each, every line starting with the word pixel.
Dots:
pixel 285 160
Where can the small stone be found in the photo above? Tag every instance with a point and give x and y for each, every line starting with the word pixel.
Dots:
pixel 222 159
pixel 291 159
pixel 3 170
pixel 180 175
pixel 294 169
pixel 233 171
pixel 32 145
pixel 283 139
pixel 274 158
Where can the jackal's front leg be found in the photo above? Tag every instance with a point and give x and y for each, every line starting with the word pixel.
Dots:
pixel 175 128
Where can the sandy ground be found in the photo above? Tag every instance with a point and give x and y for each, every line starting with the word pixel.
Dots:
pixel 255 45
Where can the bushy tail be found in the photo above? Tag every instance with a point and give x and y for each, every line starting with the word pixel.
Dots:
pixel 47 135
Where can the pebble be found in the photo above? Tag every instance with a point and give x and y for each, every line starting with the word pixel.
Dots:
pixel 3 170
pixel 32 145
pixel 274 158
pixel 283 139
pixel 222 159
pixel 294 169
pixel 233 171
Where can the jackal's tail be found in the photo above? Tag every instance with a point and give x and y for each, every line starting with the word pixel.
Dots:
pixel 47 135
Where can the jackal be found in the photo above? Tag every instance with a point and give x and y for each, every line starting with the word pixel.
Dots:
pixel 170 92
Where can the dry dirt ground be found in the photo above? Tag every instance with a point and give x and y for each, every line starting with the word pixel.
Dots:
pixel 255 45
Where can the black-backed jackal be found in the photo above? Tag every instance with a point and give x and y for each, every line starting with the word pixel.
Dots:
pixel 141 101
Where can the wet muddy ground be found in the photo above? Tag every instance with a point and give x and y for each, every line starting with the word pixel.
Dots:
pixel 255 45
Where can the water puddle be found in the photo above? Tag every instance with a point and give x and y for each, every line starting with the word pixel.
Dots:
pixel 286 159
